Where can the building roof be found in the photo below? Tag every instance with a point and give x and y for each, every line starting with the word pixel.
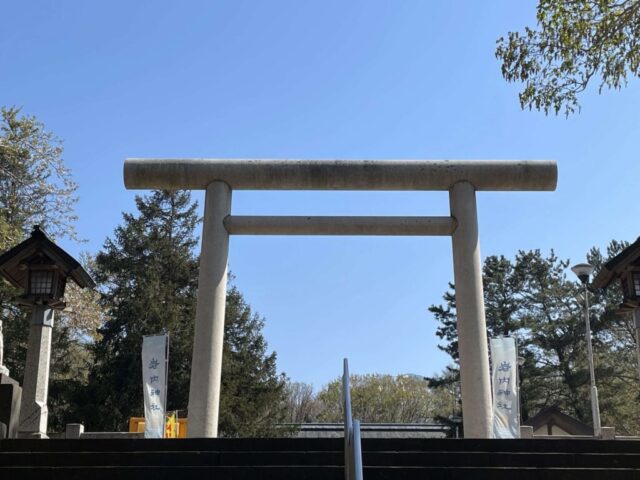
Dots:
pixel 12 261
pixel 553 416
pixel 614 268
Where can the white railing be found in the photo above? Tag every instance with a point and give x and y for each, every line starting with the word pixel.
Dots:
pixel 352 443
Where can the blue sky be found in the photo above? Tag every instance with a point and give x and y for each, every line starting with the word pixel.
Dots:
pixel 322 79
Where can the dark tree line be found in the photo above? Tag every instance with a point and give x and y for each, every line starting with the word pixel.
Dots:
pixel 148 272
pixel 147 275
pixel 532 298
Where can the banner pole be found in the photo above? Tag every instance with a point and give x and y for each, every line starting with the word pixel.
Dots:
pixel 166 382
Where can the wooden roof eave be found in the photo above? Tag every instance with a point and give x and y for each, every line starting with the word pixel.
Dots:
pixel 615 267
pixel 10 259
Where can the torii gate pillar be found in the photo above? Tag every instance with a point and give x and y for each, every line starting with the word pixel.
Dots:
pixel 206 363
pixel 472 327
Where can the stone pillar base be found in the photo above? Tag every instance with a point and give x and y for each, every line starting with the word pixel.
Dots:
pixel 10 398
pixel 526 431
pixel 32 435
pixel 74 430
pixel 608 433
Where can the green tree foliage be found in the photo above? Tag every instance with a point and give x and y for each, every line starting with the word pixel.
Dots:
pixel 37 188
pixel 532 299
pixel 148 273
pixel 252 396
pixel 300 403
pixel 620 388
pixel 148 276
pixel 574 43
pixel 377 398
pixel 35 185
pixel 74 331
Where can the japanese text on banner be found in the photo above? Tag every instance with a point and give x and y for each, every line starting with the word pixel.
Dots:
pixel 506 406
pixel 154 384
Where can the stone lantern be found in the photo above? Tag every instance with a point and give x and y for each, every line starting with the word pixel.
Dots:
pixel 624 268
pixel 40 269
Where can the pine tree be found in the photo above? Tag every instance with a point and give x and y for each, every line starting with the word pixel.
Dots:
pixel 532 299
pixel 149 274
pixel 252 395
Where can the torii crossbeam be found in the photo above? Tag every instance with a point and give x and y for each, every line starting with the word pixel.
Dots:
pixel 219 177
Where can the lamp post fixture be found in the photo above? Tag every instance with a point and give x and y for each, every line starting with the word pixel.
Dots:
pixel 583 272
pixel 40 269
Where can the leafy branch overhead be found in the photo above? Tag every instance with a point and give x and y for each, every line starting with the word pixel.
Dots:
pixel 576 42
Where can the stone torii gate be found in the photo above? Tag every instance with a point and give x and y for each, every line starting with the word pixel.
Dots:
pixel 220 177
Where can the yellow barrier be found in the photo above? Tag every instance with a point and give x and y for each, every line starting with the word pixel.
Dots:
pixel 136 425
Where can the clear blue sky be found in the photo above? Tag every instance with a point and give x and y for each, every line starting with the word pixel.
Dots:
pixel 322 79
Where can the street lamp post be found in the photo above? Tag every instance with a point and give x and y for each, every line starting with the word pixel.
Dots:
pixel 584 271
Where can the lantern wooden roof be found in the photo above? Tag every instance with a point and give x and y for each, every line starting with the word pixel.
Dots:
pixel 618 265
pixel 13 262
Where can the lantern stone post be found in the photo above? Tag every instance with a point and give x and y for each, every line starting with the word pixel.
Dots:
pixel 35 386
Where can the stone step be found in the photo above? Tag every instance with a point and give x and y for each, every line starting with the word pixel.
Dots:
pixel 322 444
pixel 186 459
pixel 259 458
pixel 163 445
pixel 496 446
pixel 311 473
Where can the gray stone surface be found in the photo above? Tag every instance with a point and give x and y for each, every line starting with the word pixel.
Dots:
pixel 607 433
pixel 206 364
pixel 309 225
pixel 35 388
pixel 10 396
pixel 526 431
pixel 472 329
pixel 73 430
pixel 243 174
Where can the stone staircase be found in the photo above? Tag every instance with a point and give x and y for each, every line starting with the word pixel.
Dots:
pixel 318 458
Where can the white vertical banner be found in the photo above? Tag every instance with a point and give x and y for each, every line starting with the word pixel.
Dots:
pixel 506 400
pixel 154 383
